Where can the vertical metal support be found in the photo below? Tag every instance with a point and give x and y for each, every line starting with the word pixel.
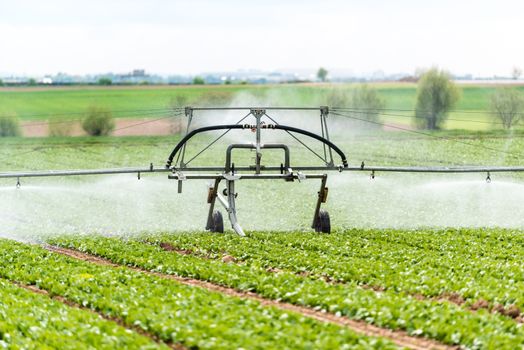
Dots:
pixel 211 199
pixel 324 111
pixel 322 198
pixel 323 135
pixel 258 114
pixel 189 115
pixel 230 186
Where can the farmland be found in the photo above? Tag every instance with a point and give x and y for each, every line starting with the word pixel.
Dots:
pixel 118 262
pixel 37 104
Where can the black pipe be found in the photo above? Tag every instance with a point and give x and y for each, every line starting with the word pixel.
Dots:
pixel 317 137
pixel 248 126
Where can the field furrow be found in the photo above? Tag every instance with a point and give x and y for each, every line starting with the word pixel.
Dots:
pixel 177 313
pixel 425 268
pixel 400 338
pixel 439 320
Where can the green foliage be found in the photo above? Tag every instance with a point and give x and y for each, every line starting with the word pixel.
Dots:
pixel 9 126
pixel 507 105
pixel 363 103
pixel 436 96
pixel 413 261
pixel 178 101
pixel 322 74
pixel 367 103
pixel 105 81
pixel 216 98
pixel 37 105
pixel 198 81
pixel 31 82
pixel 34 321
pixel 395 309
pixel 337 97
pixel 98 121
pixel 1 82
pixel 192 316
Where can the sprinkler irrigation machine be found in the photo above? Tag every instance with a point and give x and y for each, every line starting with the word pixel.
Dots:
pixel 256 120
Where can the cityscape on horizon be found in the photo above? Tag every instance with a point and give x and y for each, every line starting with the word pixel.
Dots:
pixel 241 76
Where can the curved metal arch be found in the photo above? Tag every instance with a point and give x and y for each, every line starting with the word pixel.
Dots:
pixel 186 138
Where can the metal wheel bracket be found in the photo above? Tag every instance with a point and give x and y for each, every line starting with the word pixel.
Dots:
pixel 211 199
pixel 323 195
pixel 322 198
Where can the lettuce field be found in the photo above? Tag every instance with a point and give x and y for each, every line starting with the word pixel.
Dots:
pixel 123 262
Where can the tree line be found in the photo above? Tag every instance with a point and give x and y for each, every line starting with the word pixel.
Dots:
pixel 436 97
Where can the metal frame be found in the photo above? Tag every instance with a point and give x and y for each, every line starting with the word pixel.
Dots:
pixel 181 171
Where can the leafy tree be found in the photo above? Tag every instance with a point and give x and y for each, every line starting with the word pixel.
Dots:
pixel 367 103
pixel 105 81
pixel 98 121
pixel 322 74
pixel 31 82
pixel 436 96
pixel 507 105
pixel 362 102
pixel 9 126
pixel 198 81
pixel 1 82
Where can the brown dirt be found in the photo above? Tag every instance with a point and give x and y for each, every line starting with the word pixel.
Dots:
pixel 69 303
pixel 123 127
pixel 453 297
pixel 512 311
pixel 480 304
pixel 228 259
pixel 170 248
pixel 400 338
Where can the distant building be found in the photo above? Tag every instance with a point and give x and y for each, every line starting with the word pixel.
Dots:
pixel 138 73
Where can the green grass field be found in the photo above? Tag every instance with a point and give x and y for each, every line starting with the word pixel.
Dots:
pixel 413 262
pixel 133 102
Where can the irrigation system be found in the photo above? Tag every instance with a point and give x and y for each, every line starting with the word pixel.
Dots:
pixel 256 120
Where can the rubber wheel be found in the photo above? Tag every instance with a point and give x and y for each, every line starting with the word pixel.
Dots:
pixel 323 223
pixel 217 222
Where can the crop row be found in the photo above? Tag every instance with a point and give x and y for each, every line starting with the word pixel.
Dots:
pixel 442 321
pixel 33 321
pixel 480 270
pixel 174 312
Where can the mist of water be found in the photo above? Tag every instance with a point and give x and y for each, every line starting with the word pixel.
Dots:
pixel 123 205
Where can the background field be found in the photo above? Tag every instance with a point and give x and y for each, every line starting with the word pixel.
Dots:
pixel 392 261
pixel 62 103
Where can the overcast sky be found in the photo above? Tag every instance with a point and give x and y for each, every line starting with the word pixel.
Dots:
pixel 187 37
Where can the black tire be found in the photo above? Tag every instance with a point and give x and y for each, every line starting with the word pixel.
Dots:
pixel 217 224
pixel 323 222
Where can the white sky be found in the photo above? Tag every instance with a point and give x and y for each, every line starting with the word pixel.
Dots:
pixel 92 36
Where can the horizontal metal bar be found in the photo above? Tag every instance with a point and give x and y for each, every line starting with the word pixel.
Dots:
pixel 458 169
pixel 83 172
pixel 250 108
pixel 247 176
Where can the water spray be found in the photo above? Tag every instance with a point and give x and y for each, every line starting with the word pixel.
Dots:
pixel 256 120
